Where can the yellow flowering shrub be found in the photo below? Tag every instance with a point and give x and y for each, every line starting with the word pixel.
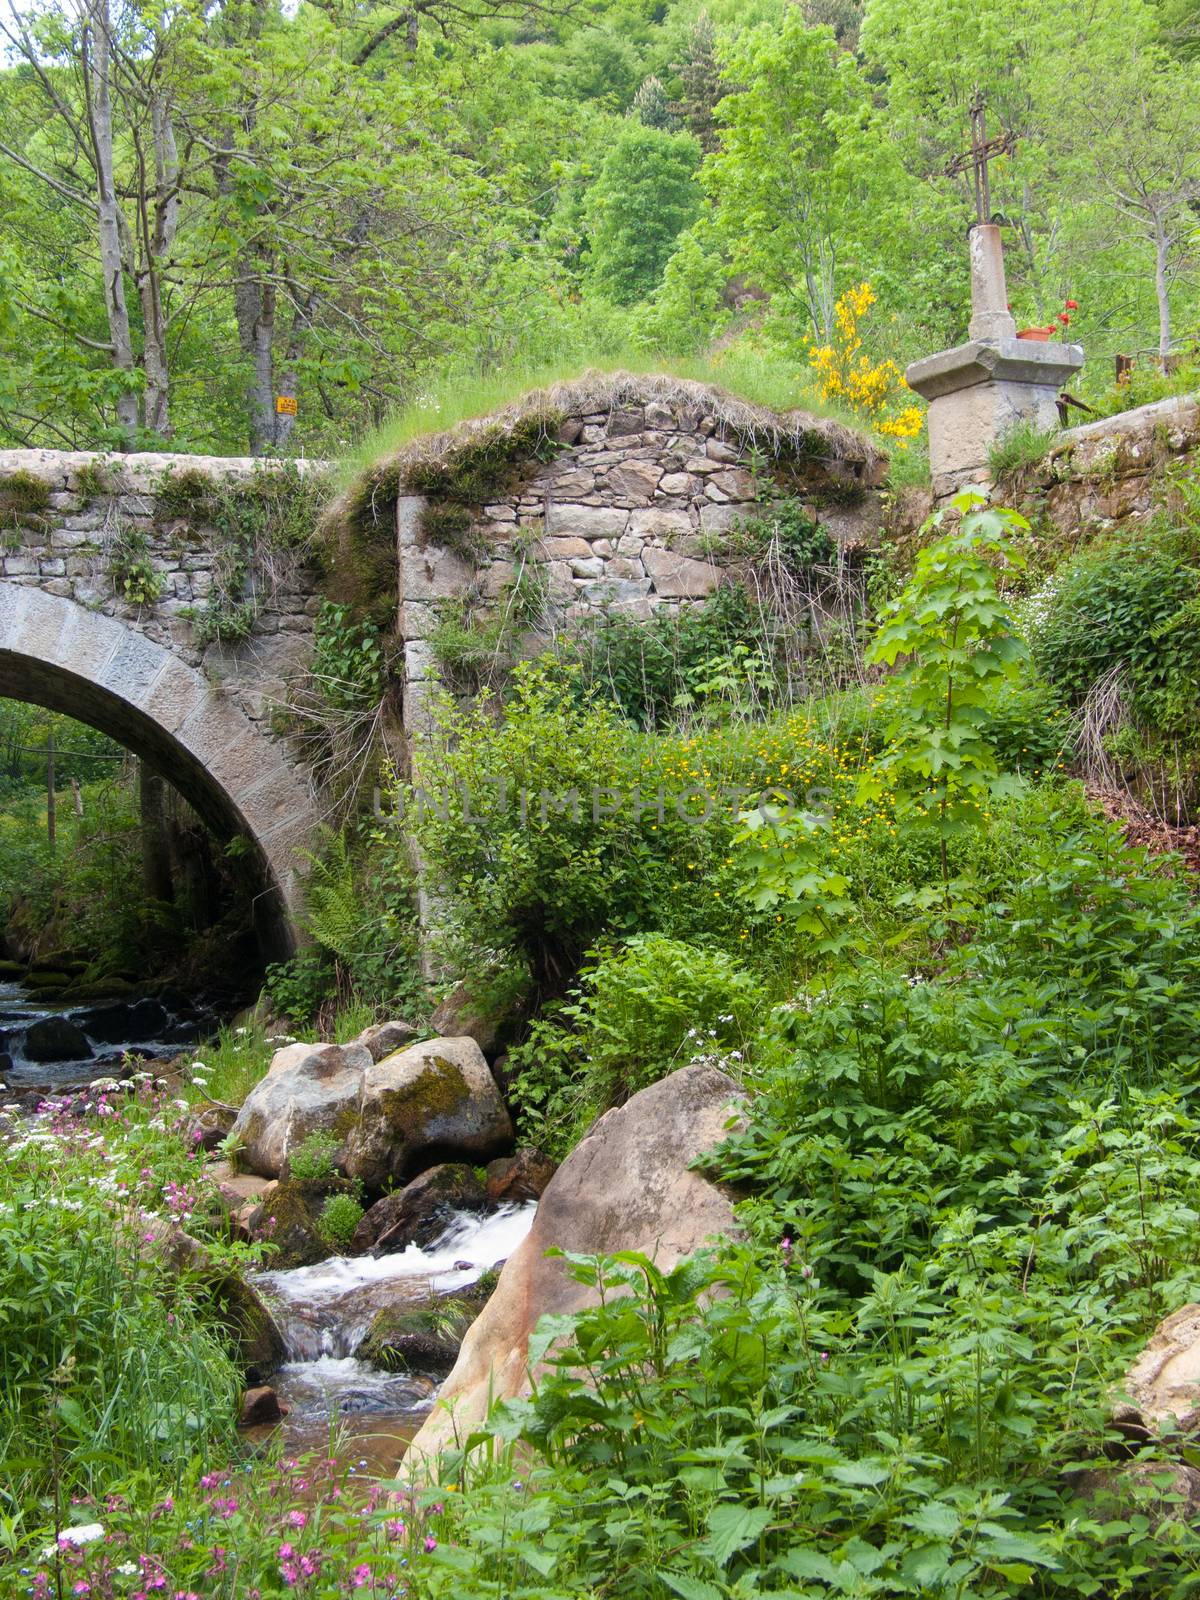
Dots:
pixel 873 390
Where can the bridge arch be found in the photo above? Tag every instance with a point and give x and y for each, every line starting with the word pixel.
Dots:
pixel 58 654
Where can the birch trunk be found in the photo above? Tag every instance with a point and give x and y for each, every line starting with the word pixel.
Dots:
pixel 1162 246
pixel 97 84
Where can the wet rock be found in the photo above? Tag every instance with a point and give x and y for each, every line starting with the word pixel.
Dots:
pixel 406 1341
pixel 430 1098
pixel 261 1405
pixel 462 1015
pixel 522 1176
pixel 627 1186
pixel 56 1039
pixel 426 1337
pixel 5 1061
pixel 215 1124
pixel 312 1090
pixel 287 1218
pixel 119 1022
pixel 387 1037
pixel 420 1212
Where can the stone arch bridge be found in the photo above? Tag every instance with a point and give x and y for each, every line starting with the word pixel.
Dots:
pixel 622 491
pixel 200 716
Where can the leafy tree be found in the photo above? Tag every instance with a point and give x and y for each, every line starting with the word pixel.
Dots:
pixel 644 197
pixel 951 641
pixel 795 161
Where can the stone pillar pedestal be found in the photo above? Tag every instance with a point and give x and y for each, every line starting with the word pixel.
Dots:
pixel 979 391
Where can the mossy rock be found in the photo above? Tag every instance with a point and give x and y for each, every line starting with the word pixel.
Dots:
pixel 425 1337
pixel 101 989
pixel 293 1232
pixel 12 969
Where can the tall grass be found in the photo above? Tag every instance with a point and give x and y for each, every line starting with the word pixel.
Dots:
pixel 106 1368
pixel 463 395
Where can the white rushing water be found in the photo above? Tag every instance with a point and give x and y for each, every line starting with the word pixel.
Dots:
pixel 323 1312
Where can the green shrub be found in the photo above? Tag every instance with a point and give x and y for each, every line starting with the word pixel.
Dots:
pixel 644 668
pixel 349 660
pixel 1123 608
pixel 311 1163
pixel 340 1216
pixel 802 543
pixel 641 1010
pixel 300 985
pixel 135 579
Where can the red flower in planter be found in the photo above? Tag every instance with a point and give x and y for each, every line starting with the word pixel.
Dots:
pixel 1063 318
pixel 1071 305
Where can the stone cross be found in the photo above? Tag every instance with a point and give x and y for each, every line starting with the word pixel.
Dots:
pixel 983 150
pixel 990 317
pixel 980 390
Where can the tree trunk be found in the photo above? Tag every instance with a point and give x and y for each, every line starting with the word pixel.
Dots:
pixel 301 323
pixel 156 243
pixel 1162 246
pixel 254 304
pixel 98 94
pixel 51 795
pixel 156 854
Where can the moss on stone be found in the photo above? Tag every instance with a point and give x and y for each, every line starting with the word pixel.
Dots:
pixel 425 1337
pixel 293 1233
pixel 21 494
pixel 437 1091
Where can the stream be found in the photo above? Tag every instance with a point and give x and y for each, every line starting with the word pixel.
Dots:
pixel 94 1036
pixel 323 1312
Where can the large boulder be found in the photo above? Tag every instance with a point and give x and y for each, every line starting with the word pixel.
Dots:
pixel 56 1039
pixel 313 1089
pixel 432 1098
pixel 419 1213
pixel 626 1186
pixel 1164 1381
pixel 384 1038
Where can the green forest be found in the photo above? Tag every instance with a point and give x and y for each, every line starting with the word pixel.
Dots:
pixel 361 208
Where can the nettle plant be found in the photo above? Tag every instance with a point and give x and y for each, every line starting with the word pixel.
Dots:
pixel 950 638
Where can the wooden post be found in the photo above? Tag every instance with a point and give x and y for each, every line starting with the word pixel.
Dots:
pixel 156 854
pixel 51 813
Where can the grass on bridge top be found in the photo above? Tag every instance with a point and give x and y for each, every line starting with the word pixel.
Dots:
pixel 749 376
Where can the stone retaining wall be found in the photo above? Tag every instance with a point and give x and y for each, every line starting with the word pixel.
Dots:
pixel 1115 471
pixel 627 518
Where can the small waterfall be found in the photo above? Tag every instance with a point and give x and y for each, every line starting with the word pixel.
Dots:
pixel 324 1311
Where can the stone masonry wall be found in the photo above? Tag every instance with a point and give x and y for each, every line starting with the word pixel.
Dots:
pixel 626 518
pixel 1114 471
pixel 68 548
